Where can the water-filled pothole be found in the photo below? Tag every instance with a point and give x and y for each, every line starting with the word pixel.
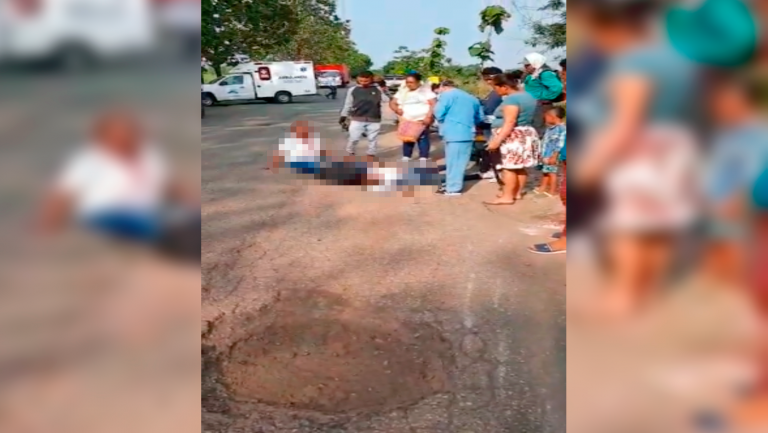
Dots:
pixel 324 356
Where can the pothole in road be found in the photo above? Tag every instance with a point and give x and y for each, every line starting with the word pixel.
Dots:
pixel 313 354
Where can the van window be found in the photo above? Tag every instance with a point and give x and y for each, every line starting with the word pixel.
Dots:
pixel 264 73
pixel 233 80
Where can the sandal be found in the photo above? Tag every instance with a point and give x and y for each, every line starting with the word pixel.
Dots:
pixel 543 249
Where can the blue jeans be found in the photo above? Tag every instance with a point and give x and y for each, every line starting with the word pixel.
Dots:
pixel 304 167
pixel 423 143
pixel 419 176
pixel 131 226
pixel 457 155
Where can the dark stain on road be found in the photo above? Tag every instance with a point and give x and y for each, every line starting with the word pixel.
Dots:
pixel 314 351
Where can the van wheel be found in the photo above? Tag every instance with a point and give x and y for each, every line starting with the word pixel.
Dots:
pixel 283 97
pixel 208 99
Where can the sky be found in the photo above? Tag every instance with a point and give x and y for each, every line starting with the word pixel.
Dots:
pixel 379 31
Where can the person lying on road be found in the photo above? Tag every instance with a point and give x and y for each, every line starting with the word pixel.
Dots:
pixel 302 153
pixel 120 185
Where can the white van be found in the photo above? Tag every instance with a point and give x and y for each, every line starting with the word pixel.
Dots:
pixel 270 81
pixel 72 31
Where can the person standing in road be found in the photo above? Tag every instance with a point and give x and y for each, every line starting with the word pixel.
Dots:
pixel 458 114
pixel 414 103
pixel 490 104
pixel 514 138
pixel 543 84
pixel 332 91
pixel 363 107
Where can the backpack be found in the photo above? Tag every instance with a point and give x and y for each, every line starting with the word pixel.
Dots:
pixel 544 70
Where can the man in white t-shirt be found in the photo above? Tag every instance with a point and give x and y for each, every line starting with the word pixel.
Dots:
pixel 301 151
pixel 119 184
pixel 415 102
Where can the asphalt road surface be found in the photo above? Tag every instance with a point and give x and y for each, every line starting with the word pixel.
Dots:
pixel 328 309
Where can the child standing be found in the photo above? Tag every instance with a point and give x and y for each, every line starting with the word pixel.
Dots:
pixel 554 140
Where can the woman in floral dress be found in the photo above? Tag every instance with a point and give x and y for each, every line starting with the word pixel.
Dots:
pixel 513 137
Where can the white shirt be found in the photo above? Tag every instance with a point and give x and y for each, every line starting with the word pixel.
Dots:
pixel 414 103
pixel 99 182
pixel 388 177
pixel 294 149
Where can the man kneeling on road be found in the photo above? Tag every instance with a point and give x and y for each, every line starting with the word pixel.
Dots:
pixel 363 106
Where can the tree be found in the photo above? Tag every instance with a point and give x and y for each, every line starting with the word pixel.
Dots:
pixel 358 62
pixel 492 20
pixel 404 60
pixel 232 27
pixel 278 30
pixel 551 32
pixel 436 59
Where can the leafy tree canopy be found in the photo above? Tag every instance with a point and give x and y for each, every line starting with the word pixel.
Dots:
pixel 275 30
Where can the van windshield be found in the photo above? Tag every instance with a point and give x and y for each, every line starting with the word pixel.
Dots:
pixel 329 74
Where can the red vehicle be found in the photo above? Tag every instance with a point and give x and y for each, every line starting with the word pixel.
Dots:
pixel 342 69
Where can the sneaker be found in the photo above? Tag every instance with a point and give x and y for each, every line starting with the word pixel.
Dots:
pixel 423 159
pixel 488 175
pixel 406 159
pixel 443 191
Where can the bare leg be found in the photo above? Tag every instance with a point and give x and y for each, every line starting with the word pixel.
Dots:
pixel 507 195
pixel 639 264
pixel 521 178
pixel 544 184
pixel 552 183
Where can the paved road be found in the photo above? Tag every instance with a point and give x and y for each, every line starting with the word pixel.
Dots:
pixel 42 117
pixel 335 310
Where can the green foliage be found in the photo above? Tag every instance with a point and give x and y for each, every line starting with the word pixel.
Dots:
pixel 436 58
pixel 275 30
pixel 230 27
pixel 404 60
pixel 481 51
pixel 492 20
pixel 550 33
pixel 432 61
pixel 358 62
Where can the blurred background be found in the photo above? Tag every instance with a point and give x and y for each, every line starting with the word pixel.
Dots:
pixel 82 315
pixel 666 216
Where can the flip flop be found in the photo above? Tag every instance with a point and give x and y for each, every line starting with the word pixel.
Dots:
pixel 543 249
pixel 556 235
pixel 488 203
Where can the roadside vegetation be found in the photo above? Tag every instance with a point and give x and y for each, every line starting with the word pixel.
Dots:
pixel 276 30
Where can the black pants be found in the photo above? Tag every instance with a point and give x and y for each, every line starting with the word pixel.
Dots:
pixel 182 241
pixel 331 92
pixel 538 117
